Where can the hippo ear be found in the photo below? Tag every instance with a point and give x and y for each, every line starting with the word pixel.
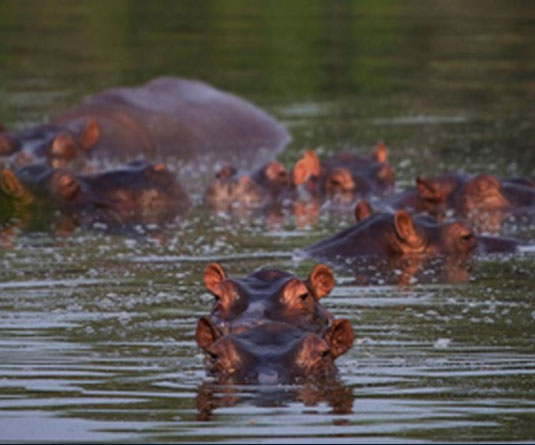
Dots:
pixel 276 172
pixel 427 190
pixel 381 153
pixel 340 337
pixel 321 280
pixel 309 165
pixel 10 184
pixel 214 276
pixel 363 210
pixel 206 333
pixel 65 184
pixel 90 134
pixel 405 228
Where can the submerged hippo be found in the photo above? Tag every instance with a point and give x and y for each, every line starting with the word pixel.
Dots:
pixel 386 234
pixel 269 294
pixel 137 193
pixel 273 352
pixel 168 116
pixel 483 199
pixel 266 186
pixel 343 177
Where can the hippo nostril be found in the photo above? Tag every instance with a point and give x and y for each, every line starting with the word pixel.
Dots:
pixel 303 296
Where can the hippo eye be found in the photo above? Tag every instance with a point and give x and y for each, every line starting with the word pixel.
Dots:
pixel 325 353
pixel 213 355
pixel 467 237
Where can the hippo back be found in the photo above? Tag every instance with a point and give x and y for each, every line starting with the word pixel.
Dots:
pixel 177 117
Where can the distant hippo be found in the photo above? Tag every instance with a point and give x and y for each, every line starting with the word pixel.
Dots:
pixel 266 186
pixel 269 294
pixel 137 193
pixel 273 352
pixel 483 199
pixel 168 116
pixel 344 177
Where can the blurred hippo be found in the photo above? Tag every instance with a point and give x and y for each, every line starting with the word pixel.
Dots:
pixel 344 177
pixel 168 116
pixel 483 199
pixel 266 186
pixel 273 352
pixel 137 193
pixel 269 294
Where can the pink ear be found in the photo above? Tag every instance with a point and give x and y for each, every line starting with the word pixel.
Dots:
pixel 206 333
pixel 90 134
pixel 381 153
pixel 340 337
pixel 363 210
pixel 214 275
pixel 321 280
pixel 309 165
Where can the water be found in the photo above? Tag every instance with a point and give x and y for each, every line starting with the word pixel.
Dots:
pixel 97 330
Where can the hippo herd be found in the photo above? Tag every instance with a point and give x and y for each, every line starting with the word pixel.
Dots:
pixel 270 326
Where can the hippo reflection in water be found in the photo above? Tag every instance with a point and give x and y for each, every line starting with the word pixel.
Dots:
pixel 168 116
pixel 273 352
pixel 137 193
pixel 269 294
pixel 217 394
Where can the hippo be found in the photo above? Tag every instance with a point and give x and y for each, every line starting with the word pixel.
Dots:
pixel 166 117
pixel 273 352
pixel 407 244
pixel 139 193
pixel 55 145
pixel 269 185
pixel 343 177
pixel 483 199
pixel 269 294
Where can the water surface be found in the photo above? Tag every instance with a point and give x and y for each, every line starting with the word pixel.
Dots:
pixel 97 329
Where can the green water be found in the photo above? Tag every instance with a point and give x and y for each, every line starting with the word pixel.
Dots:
pixel 96 330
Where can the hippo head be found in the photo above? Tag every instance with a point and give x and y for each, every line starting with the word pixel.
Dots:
pixel 269 294
pixel 424 235
pixel 268 184
pixel 343 177
pixel 59 146
pixel 273 352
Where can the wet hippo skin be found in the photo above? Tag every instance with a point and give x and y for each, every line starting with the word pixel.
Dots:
pixel 273 352
pixel 167 116
pixel 269 294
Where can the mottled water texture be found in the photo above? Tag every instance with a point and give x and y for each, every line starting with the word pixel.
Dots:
pixel 97 329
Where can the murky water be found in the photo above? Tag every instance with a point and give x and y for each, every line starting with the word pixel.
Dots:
pixel 97 330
